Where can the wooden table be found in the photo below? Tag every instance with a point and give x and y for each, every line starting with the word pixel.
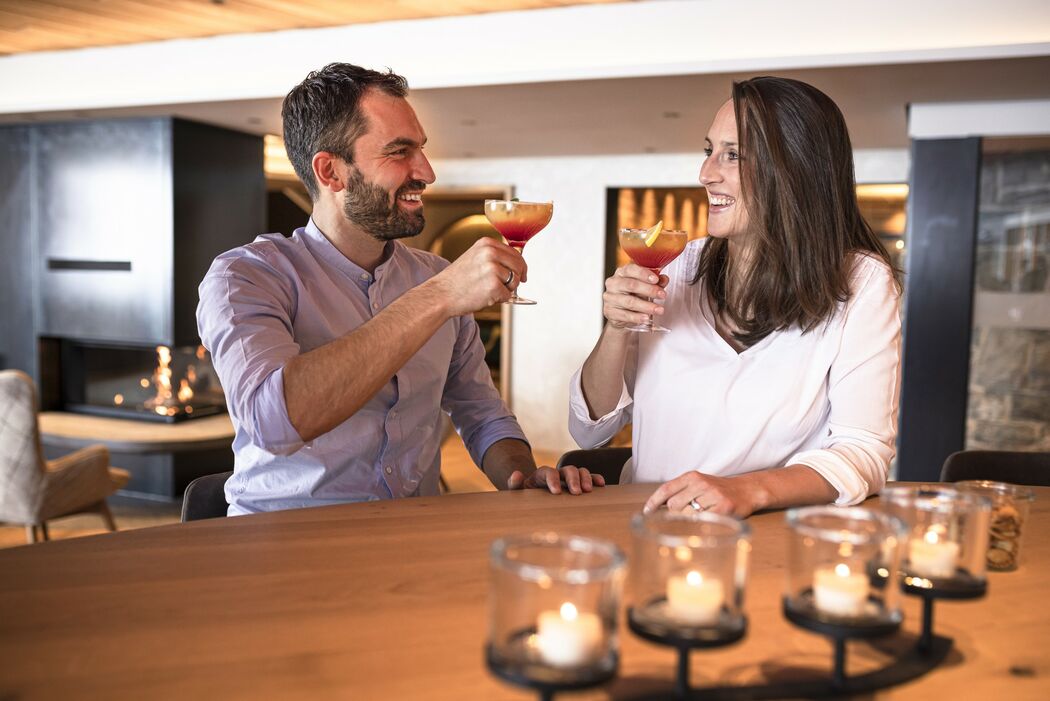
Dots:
pixel 387 600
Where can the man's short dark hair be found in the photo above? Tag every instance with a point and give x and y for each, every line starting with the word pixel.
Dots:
pixel 321 114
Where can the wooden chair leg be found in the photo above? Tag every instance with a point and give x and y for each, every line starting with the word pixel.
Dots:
pixel 43 530
pixel 30 534
pixel 107 515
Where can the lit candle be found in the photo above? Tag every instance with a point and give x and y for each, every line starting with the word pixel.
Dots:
pixel 694 600
pixel 568 638
pixel 839 592
pixel 931 555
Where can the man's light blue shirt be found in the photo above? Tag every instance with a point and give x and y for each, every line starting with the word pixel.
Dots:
pixel 263 303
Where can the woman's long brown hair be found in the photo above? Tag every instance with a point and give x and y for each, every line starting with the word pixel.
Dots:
pixel 798 185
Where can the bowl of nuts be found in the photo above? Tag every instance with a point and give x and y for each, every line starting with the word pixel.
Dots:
pixel 1010 504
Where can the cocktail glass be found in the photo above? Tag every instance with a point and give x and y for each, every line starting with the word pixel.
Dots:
pixel 518 222
pixel 667 246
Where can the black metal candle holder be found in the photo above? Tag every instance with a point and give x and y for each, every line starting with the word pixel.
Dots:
pixel 685 639
pixel 960 587
pixel 546 679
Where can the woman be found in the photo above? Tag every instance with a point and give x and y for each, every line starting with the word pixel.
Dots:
pixel 778 383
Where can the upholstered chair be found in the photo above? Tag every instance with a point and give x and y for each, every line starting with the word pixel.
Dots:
pixel 34 491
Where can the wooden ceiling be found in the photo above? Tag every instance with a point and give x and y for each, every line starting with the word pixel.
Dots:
pixel 49 25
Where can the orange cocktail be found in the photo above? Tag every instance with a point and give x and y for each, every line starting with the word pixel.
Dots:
pixel 518 222
pixel 652 248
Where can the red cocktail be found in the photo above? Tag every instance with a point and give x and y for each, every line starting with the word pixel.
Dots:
pixel 653 252
pixel 518 222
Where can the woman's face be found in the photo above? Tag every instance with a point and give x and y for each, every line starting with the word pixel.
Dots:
pixel 720 174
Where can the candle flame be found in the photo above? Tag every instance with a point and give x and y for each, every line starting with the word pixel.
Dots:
pixel 842 569
pixel 694 579
pixel 568 611
pixel 934 535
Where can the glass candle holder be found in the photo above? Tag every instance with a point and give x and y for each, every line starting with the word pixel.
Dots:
pixel 1009 503
pixel 553 618
pixel 947 538
pixel 688 574
pixel 840 561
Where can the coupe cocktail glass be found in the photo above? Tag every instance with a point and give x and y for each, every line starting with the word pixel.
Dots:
pixel 667 246
pixel 518 222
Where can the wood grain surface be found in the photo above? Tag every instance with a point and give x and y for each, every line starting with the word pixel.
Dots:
pixel 387 600
pixel 39 25
pixel 67 430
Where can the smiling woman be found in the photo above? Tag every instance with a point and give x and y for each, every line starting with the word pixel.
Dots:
pixel 777 384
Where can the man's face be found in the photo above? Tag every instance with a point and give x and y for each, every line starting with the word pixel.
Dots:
pixel 389 173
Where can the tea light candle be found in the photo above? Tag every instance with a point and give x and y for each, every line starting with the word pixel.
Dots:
pixel 568 638
pixel 839 592
pixel 694 600
pixel 931 555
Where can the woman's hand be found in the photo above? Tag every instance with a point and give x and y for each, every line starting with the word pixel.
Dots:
pixel 738 496
pixel 628 293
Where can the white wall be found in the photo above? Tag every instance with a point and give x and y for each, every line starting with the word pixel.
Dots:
pixel 664 37
pixel 567 261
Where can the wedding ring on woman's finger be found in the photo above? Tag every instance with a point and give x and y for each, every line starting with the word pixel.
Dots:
pixel 510 279
pixel 696 505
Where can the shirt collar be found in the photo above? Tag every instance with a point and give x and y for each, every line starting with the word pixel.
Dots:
pixel 326 250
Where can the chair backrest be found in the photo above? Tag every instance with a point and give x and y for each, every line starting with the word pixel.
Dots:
pixel 1003 466
pixel 205 497
pixel 21 459
pixel 607 462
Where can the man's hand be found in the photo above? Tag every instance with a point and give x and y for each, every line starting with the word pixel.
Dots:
pixel 484 275
pixel 577 479
pixel 731 496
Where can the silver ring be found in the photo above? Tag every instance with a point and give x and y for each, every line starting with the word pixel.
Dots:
pixel 510 279
pixel 696 505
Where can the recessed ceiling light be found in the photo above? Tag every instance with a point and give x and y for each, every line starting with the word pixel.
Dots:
pixel 254 120
pixel 469 122
pixel 672 115
pixel 649 149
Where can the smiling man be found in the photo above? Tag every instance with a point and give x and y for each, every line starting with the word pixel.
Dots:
pixel 339 347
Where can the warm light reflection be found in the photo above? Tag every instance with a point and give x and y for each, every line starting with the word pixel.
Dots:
pixel 883 191
pixel 275 158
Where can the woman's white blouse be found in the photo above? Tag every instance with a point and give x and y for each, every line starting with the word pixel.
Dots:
pixel 826 399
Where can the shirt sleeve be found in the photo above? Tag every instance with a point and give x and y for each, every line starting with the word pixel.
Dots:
pixel 593 433
pixel 864 390
pixel 477 411
pixel 244 320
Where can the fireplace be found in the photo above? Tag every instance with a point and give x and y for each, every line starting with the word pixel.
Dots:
pixel 158 383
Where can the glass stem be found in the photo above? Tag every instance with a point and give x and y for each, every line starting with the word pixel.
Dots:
pixel 649 322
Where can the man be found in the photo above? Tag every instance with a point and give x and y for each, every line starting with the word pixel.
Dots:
pixel 339 347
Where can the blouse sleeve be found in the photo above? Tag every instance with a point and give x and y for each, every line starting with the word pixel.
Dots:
pixel 592 433
pixel 863 389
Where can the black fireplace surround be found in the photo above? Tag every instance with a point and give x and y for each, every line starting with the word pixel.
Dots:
pixel 110 226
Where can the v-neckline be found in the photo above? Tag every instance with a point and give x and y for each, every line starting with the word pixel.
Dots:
pixel 707 311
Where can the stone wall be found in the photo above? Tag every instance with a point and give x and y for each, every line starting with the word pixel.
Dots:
pixel 1009 407
pixel 1009 390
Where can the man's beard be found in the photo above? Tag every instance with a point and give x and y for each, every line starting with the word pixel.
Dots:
pixel 368 206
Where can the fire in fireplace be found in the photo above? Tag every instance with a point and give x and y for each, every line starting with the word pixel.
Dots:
pixel 157 384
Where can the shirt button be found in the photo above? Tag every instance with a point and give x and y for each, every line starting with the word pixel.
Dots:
pixel 389 470
pixel 393 414
pixel 375 305
pixel 364 276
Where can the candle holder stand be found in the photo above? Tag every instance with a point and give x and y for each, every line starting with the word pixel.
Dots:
pixel 961 587
pixel 910 664
pixel 686 639
pixel 545 680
